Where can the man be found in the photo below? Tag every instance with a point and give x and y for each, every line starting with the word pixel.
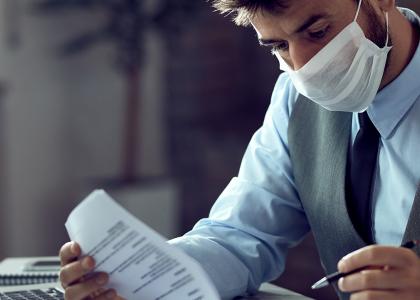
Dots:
pixel 337 154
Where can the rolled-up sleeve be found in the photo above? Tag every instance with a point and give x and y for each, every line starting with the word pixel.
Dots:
pixel 244 241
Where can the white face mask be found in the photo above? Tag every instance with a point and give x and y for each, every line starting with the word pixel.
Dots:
pixel 344 75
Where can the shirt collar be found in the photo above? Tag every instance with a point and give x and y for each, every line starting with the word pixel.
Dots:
pixel 394 101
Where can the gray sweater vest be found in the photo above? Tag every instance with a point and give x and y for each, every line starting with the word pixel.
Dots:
pixel 318 142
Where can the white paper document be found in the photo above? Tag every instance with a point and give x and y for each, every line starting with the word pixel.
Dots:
pixel 141 264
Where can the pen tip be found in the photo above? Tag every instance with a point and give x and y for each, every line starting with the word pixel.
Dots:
pixel 320 284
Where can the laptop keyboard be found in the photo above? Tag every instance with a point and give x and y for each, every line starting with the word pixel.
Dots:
pixel 36 294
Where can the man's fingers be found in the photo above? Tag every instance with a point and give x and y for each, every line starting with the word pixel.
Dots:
pixel 74 271
pixel 110 294
pixel 377 279
pixel 69 252
pixel 374 295
pixel 394 257
pixel 84 289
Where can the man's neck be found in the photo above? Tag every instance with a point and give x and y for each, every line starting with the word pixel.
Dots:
pixel 405 38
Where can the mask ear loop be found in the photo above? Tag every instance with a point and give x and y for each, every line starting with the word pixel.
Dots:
pixel 358 11
pixel 387 29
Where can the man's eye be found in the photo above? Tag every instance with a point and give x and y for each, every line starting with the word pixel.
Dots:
pixel 319 34
pixel 280 47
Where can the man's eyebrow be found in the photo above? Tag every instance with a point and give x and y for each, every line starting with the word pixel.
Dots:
pixel 308 23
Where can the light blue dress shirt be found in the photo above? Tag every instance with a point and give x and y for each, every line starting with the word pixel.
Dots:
pixel 244 243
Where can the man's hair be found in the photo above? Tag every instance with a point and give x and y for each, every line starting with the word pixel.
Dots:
pixel 243 10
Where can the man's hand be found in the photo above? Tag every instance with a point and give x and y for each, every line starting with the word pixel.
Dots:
pixel 392 273
pixel 77 279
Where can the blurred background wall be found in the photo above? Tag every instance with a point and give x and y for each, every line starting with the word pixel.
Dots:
pixel 204 86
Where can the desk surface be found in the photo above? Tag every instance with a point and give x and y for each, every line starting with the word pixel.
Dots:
pixel 267 292
pixel 272 292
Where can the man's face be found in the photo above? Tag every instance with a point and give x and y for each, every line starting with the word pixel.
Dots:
pixel 306 26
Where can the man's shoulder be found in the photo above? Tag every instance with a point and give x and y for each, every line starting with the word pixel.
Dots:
pixel 411 15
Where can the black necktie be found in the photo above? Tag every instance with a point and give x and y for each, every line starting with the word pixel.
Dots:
pixel 361 176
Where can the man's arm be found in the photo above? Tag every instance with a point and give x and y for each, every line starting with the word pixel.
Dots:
pixel 244 240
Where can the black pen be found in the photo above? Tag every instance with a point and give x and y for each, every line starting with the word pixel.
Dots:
pixel 337 275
